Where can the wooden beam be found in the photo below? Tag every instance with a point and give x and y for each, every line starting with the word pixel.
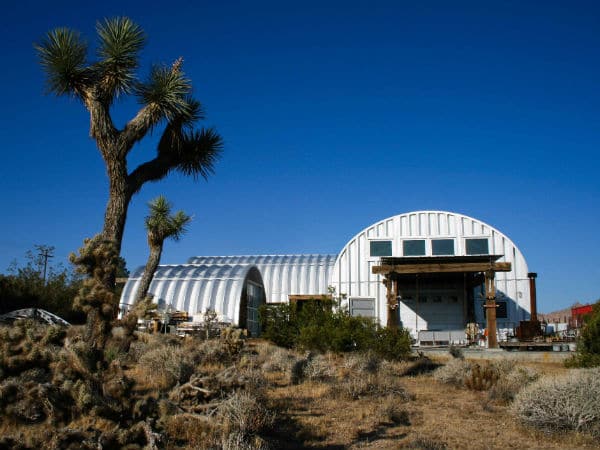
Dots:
pixel 442 268
pixel 308 297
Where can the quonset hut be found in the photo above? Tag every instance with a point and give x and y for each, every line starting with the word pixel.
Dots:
pixel 234 291
pixel 427 271
pixel 430 271
pixel 234 286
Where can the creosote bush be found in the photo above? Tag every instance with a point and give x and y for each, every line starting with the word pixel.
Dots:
pixel 324 326
pixel 570 402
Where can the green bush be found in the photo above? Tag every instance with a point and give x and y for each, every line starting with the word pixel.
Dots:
pixel 279 324
pixel 323 326
pixel 588 344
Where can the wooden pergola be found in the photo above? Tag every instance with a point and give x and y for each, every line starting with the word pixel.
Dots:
pixel 482 268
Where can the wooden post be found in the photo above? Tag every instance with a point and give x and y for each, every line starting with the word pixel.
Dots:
pixel 490 308
pixel 391 286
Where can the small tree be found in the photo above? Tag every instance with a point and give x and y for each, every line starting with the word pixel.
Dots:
pixel 160 225
pixel 588 344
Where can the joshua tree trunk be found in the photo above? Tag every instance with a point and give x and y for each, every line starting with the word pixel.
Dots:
pixel 151 265
pixel 116 212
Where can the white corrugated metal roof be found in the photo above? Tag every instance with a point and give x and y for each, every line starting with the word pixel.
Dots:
pixel 284 275
pixel 194 287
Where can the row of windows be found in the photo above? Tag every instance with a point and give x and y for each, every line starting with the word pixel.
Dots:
pixel 439 247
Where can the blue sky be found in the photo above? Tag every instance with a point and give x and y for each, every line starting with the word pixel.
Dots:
pixel 335 115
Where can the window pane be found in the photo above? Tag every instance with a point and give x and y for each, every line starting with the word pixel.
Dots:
pixel 362 307
pixel 501 311
pixel 442 247
pixel 381 248
pixel 477 247
pixel 414 248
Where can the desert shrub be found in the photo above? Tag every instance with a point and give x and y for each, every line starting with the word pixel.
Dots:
pixel 212 351
pixel 322 326
pixel 253 378
pixel 588 344
pixel 166 365
pixel 418 366
pixel 511 383
pixel 192 430
pixel 319 368
pixel 279 325
pixel 359 385
pixel 392 343
pixel 453 372
pixel 297 370
pixel 390 411
pixel 224 349
pixel 364 363
pixel 426 443
pixel 472 375
pixel 237 441
pixel 136 350
pixel 232 339
pixel 244 413
pixel 569 402
pixel 278 360
pixel 456 352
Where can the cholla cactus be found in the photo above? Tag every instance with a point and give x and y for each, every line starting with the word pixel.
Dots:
pixel 98 260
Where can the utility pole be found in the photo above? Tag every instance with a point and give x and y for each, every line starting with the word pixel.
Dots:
pixel 45 252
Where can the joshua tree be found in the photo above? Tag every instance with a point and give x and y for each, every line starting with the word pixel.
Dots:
pixel 160 225
pixel 165 98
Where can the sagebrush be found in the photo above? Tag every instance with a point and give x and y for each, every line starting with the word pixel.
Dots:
pixel 570 402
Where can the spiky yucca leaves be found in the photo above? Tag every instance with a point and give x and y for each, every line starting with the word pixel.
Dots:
pixel 62 55
pixel 120 41
pixel 166 89
pixel 161 225
pixel 165 97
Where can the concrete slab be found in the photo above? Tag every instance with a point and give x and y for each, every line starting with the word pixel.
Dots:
pixel 494 354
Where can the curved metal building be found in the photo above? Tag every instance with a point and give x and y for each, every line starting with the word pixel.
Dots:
pixel 438 303
pixel 284 275
pixel 234 291
pixel 422 299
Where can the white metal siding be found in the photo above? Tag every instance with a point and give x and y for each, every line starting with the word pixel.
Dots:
pixel 352 271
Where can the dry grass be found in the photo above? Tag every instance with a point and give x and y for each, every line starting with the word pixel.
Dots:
pixel 257 397
pixel 426 414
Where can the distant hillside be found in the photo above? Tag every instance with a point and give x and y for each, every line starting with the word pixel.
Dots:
pixel 562 315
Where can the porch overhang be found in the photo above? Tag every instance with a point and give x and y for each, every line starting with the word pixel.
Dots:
pixel 440 264
pixel 395 268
